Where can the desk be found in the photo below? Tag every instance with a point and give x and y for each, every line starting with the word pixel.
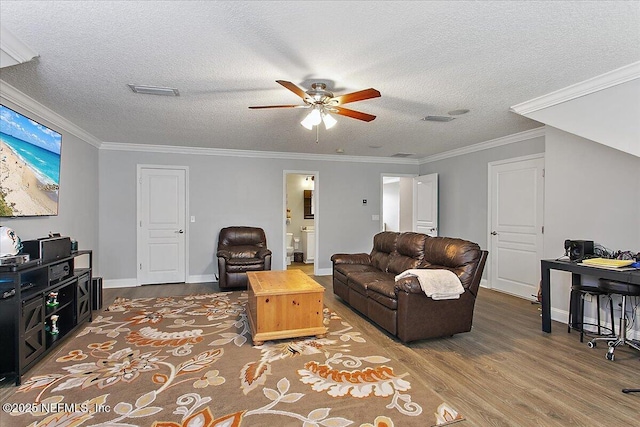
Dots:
pixel 577 271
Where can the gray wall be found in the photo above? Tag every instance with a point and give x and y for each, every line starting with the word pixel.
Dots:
pixel 462 188
pixel 78 196
pixel 592 192
pixel 226 191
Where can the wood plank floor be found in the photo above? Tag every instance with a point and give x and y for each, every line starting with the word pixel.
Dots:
pixel 505 372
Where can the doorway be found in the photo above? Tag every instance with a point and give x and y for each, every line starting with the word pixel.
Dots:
pixel 425 204
pixel 300 230
pixel 396 196
pixel 516 227
pixel 161 224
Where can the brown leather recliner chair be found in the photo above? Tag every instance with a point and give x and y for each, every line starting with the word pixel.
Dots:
pixel 241 249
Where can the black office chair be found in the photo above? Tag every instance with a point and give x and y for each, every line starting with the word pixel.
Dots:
pixel 625 290
pixel 584 290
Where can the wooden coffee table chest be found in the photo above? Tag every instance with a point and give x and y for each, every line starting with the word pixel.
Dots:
pixel 284 304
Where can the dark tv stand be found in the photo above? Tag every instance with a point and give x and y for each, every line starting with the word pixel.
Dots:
pixel 27 315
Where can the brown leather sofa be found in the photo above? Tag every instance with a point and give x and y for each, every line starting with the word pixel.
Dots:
pixel 367 283
pixel 241 249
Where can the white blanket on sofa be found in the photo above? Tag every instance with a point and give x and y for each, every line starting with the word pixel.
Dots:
pixel 436 284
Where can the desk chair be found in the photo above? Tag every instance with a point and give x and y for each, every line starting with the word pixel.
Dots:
pixel 624 289
pixel 588 289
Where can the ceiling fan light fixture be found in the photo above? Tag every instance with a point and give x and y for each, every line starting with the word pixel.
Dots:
pixel 313 119
pixel 328 120
pixel 306 123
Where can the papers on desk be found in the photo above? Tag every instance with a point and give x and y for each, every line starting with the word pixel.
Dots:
pixel 605 262
pixel 611 264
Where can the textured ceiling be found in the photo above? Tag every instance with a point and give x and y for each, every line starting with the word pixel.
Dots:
pixel 426 58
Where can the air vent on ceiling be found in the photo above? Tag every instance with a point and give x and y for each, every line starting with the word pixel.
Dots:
pixel 402 155
pixel 154 90
pixel 438 119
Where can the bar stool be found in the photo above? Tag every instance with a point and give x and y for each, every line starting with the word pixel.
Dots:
pixel 589 289
pixel 624 289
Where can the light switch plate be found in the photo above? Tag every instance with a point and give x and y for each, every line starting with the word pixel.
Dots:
pixel 193 218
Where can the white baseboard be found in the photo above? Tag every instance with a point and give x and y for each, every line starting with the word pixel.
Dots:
pixel 562 316
pixel 202 278
pixel 130 283
pixel 119 283
pixel 484 283
pixel 324 272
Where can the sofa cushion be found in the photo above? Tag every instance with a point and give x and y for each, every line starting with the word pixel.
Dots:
pixel 387 319
pixel 240 251
pixel 359 282
pixel 249 264
pixel 241 236
pixel 383 287
pixel 409 252
pixel 384 245
pixel 457 255
pixel 383 293
pixel 348 269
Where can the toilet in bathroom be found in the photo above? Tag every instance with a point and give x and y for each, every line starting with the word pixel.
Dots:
pixel 293 244
pixel 289 248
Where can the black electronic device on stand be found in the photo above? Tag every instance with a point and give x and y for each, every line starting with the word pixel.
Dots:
pixel 577 250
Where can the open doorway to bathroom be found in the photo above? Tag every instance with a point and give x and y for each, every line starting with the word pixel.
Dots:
pixel 301 216
pixel 397 203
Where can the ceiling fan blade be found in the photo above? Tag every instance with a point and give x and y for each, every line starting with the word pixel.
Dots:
pixel 293 88
pixel 257 107
pixel 353 114
pixel 357 96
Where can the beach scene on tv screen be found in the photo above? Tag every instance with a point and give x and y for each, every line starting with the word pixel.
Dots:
pixel 29 166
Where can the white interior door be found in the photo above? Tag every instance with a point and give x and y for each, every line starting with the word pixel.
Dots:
pixel 161 225
pixel 516 195
pixel 425 206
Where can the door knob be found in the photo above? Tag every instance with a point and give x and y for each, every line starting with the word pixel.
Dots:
pixel 180 231
pixel 494 233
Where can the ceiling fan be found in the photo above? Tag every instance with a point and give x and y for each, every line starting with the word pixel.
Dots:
pixel 323 103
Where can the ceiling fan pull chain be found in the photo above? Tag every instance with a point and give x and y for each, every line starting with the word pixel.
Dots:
pixel 317 133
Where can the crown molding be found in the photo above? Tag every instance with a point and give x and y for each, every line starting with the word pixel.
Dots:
pixel 595 84
pixel 198 151
pixel 493 143
pixel 14 50
pixel 12 94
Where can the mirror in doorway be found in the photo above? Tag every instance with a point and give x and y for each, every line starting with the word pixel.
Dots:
pixel 308 204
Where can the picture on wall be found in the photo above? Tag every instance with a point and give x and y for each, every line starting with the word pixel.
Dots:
pixel 29 166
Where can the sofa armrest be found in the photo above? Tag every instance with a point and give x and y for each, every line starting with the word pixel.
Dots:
pixel 351 259
pixel 262 253
pixel 222 253
pixel 409 284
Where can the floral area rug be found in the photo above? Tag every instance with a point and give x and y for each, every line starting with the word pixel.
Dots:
pixel 189 361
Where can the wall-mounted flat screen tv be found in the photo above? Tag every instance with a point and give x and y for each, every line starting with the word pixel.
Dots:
pixel 29 166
